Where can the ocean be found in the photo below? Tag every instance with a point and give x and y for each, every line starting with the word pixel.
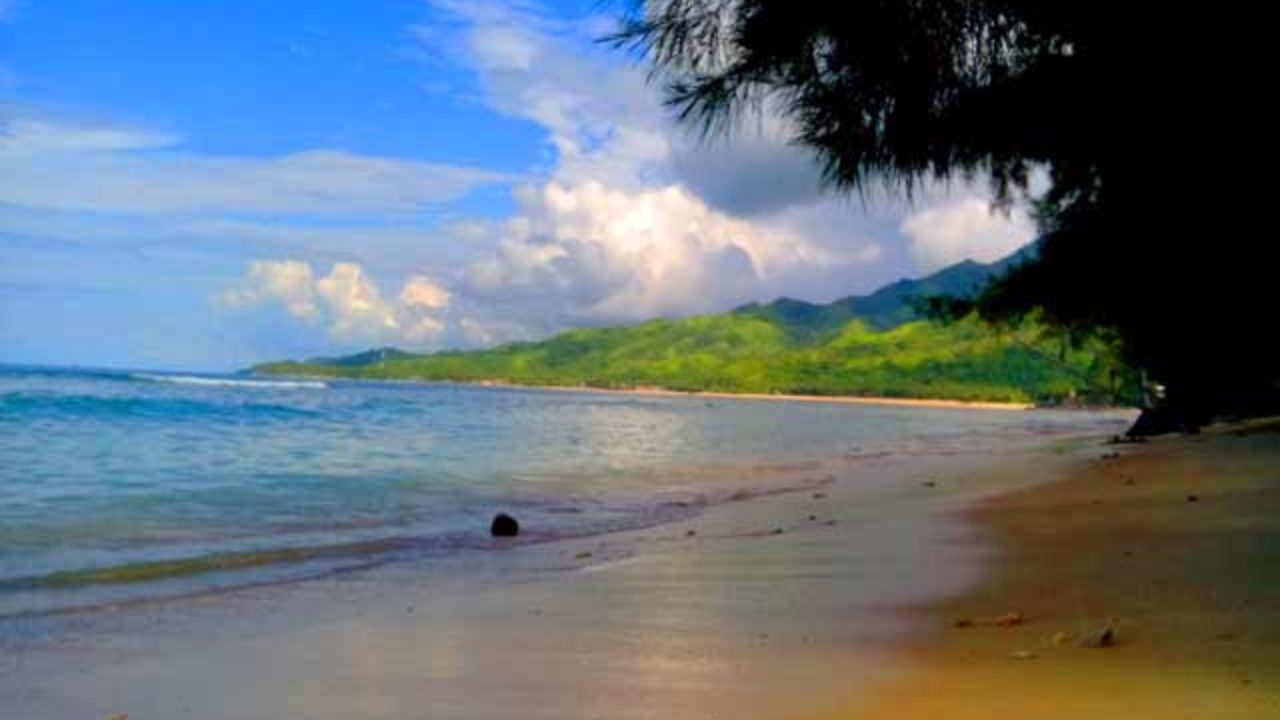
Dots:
pixel 120 486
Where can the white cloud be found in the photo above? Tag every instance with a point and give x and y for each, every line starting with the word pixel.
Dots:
pixel 965 229
pixel 289 282
pixel 88 167
pixel 31 137
pixel 347 302
pixel 636 218
pixel 604 121
pixel 593 253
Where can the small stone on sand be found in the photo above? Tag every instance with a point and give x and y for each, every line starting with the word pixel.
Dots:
pixel 1102 638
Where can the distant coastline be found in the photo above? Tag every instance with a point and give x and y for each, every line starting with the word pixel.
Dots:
pixel 654 391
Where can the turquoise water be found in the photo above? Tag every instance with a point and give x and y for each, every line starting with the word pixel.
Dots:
pixel 118 485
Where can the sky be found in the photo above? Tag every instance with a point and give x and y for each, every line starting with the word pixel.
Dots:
pixel 204 185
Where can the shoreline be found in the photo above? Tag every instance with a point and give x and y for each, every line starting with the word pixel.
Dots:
pixel 779 397
pixel 1170 546
pixel 758 608
pixel 706 394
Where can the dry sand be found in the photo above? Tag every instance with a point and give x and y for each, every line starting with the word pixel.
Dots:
pixel 1191 588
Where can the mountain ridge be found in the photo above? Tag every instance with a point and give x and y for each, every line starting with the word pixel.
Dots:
pixel 876 344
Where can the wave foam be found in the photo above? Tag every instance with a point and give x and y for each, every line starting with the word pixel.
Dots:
pixel 229 382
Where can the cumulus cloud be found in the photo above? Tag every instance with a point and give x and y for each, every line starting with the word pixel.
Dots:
pixel 346 301
pixel 636 218
pixel 965 229
pixel 289 282
pixel 104 168
pixel 600 254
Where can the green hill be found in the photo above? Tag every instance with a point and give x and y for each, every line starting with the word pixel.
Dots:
pixel 871 345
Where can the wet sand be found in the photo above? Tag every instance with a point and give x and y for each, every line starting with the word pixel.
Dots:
pixel 1175 545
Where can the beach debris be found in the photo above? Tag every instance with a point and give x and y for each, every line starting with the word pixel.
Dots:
pixel 409 609
pixel 1193 498
pixel 118 716
pixel 1009 619
pixel 777 531
pixel 829 523
pixel 1060 638
pixel 930 483
pixel 1110 456
pixel 691 533
pixel 740 495
pixel 582 556
pixel 1104 637
pixel 819 496
pixel 504 525
pixel 1023 655
pixel 1129 481
pixel 813 518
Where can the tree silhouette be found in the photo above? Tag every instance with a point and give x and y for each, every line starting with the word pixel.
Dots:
pixel 1132 116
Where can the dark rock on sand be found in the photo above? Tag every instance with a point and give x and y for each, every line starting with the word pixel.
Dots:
pixel 1102 638
pixel 504 526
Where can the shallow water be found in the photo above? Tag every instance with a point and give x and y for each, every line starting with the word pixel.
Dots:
pixel 118 485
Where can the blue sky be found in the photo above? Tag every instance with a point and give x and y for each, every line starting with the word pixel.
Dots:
pixel 208 184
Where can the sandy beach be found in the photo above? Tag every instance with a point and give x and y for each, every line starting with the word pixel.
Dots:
pixel 836 601
pixel 713 395
pixel 784 397
pixel 1173 545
